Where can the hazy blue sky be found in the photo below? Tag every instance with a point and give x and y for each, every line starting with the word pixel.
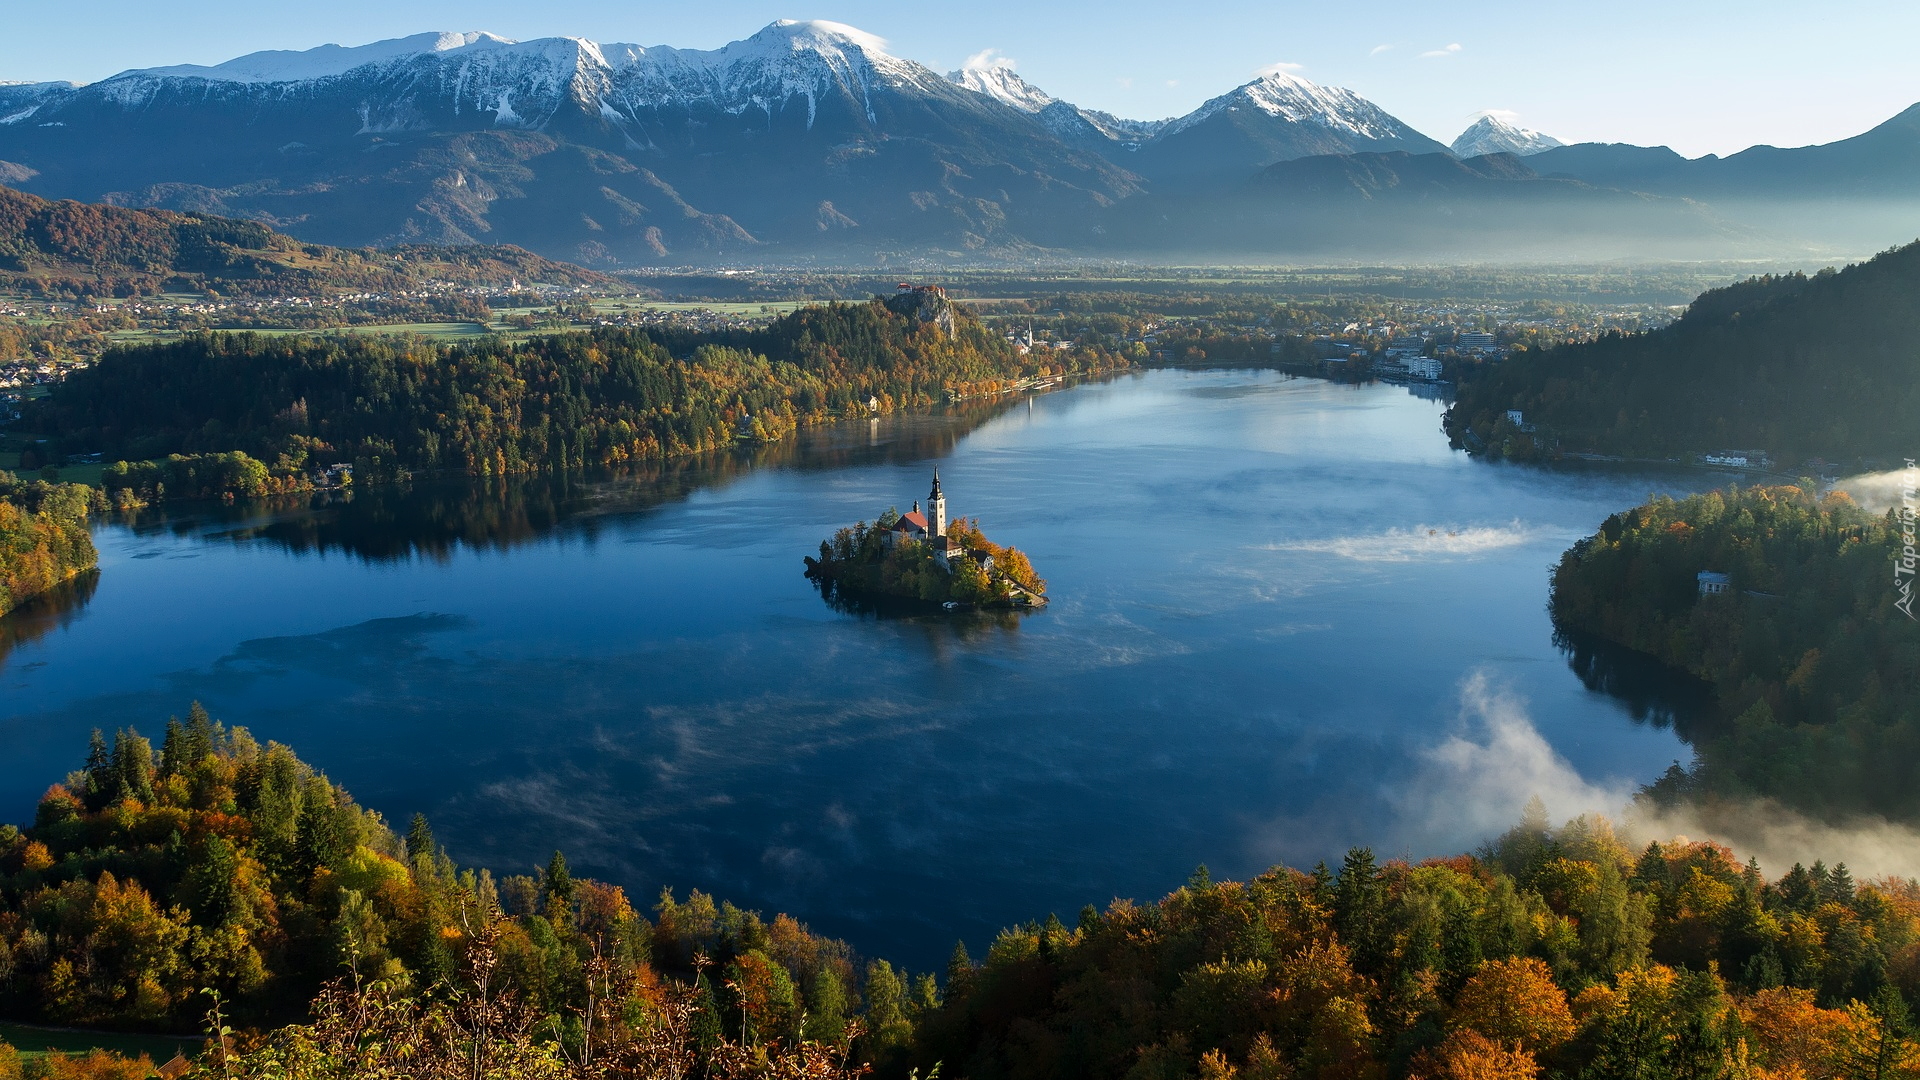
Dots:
pixel 1702 77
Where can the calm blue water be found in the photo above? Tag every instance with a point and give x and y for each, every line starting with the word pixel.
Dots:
pixel 1287 619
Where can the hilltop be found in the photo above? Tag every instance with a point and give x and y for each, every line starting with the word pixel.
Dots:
pixel 1789 606
pixel 1795 365
pixel 76 248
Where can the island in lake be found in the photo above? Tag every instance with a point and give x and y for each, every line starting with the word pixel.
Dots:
pixel 920 557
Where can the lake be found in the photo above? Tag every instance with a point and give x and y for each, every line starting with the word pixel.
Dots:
pixel 1286 619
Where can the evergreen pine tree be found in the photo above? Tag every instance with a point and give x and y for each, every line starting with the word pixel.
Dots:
pixel 959 971
pixel 419 839
pixel 1797 889
pixel 1839 885
pixel 704 1026
pixel 132 766
pixel 557 886
pixel 1359 910
pixel 203 736
pixel 100 776
pixel 1320 884
pixel 212 885
pixel 173 747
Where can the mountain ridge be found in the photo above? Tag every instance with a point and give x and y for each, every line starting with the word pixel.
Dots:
pixel 805 140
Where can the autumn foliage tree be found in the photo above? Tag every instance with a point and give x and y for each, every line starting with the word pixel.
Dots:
pixel 44 541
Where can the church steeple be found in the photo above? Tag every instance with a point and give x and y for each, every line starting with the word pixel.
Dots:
pixel 936 508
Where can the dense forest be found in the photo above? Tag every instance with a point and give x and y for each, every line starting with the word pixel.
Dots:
pixel 1816 671
pixel 568 400
pixel 340 948
pixel 1801 367
pixel 213 863
pixel 73 249
pixel 864 559
pixel 43 537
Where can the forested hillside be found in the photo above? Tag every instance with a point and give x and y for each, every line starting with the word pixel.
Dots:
pixel 81 248
pixel 43 538
pixel 495 407
pixel 217 863
pixel 1825 366
pixel 1816 671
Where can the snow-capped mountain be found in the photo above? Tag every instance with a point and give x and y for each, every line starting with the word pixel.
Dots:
pixel 807 139
pixel 997 79
pixel 1492 135
pixel 1276 117
pixel 804 132
pixel 1100 131
pixel 1288 97
pixel 528 84
pixel 280 65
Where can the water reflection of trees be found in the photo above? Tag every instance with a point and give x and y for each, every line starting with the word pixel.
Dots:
pixel 433 518
pixel 1652 692
pixel 46 613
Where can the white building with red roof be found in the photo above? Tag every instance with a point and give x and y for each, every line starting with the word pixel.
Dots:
pixel 929 526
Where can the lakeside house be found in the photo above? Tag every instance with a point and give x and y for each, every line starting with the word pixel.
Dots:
pixel 1713 583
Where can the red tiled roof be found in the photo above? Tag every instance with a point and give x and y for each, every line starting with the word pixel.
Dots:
pixel 915 519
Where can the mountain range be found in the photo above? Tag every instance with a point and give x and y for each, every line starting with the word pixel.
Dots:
pixel 808 141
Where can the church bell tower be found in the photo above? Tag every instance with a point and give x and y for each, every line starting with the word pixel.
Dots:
pixel 936 508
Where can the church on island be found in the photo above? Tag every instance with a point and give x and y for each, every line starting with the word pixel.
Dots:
pixel 923 556
pixel 930 527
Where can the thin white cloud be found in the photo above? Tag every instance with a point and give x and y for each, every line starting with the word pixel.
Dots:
pixel 1280 68
pixel 1424 542
pixel 1126 82
pixel 1507 116
pixel 1448 51
pixel 860 37
pixel 1378 49
pixel 989 60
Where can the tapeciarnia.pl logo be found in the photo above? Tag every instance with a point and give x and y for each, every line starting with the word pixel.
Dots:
pixel 1903 567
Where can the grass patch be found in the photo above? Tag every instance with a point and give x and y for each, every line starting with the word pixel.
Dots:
pixel 75 474
pixel 35 1041
pixel 432 330
pixel 748 309
pixel 438 330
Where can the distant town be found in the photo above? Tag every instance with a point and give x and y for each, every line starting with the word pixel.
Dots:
pixel 1151 321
